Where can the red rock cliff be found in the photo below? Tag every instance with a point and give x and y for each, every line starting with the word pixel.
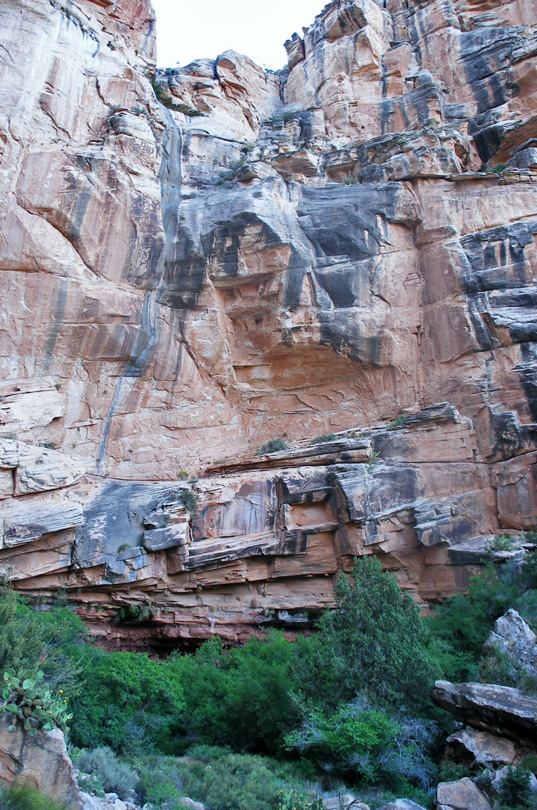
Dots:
pixel 342 254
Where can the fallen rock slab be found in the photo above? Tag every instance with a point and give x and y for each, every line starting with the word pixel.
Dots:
pixel 461 795
pixel 483 747
pixel 501 710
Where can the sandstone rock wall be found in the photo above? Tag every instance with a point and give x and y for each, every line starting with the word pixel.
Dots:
pixel 311 253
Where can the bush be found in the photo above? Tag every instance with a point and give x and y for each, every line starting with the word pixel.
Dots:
pixel 24 797
pixel 368 745
pixel 50 641
pixel 219 779
pixel 515 791
pixel 240 697
pixel 373 643
pixel 500 542
pixel 324 437
pixel 461 625
pixel 128 702
pixel 111 775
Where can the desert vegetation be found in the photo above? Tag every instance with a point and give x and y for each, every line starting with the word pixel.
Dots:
pixel 272 724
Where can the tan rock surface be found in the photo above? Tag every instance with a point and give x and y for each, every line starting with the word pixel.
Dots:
pixel 41 760
pixel 321 250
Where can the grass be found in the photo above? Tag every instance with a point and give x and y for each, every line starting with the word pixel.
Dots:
pixel 25 797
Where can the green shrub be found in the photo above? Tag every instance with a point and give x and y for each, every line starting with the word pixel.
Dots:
pixel 373 458
pixel 295 800
pixel 31 704
pixel 529 570
pixel 515 791
pixel 272 446
pixel 500 542
pixel 25 797
pixel 367 744
pixel 529 763
pixel 373 643
pixel 461 624
pixel 128 702
pixel 112 775
pixel 240 697
pixel 189 499
pixel 50 641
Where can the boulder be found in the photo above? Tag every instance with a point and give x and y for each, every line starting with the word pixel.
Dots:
pixel 41 760
pixel 481 747
pixel 515 640
pixel 344 803
pixel 461 795
pixel 500 710
pixel 191 804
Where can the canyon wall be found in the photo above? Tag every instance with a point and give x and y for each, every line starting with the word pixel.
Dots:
pixel 196 261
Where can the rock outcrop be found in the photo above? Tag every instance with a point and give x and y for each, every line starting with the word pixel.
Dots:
pixel 501 710
pixel 41 760
pixel 341 254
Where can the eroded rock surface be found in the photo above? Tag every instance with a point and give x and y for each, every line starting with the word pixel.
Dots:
pixel 345 249
pixel 42 761
pixel 502 710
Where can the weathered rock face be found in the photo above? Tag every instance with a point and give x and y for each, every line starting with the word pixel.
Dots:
pixel 319 251
pixel 502 710
pixel 42 761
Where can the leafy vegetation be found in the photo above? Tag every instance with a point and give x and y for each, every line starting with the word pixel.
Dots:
pixel 220 778
pixel 128 702
pixel 168 102
pixel 349 702
pixel 501 542
pixel 242 697
pixel 324 437
pixel 32 704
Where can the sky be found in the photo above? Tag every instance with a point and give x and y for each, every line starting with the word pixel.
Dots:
pixel 194 29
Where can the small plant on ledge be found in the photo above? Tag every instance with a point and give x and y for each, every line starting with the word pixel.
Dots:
pixel 272 446
pixel 501 542
pixel 324 437
pixel 398 422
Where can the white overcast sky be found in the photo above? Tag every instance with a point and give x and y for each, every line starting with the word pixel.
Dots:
pixel 194 29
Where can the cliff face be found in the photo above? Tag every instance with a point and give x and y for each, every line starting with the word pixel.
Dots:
pixel 347 248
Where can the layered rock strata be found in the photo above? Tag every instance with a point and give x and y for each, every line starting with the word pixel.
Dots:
pixel 341 254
